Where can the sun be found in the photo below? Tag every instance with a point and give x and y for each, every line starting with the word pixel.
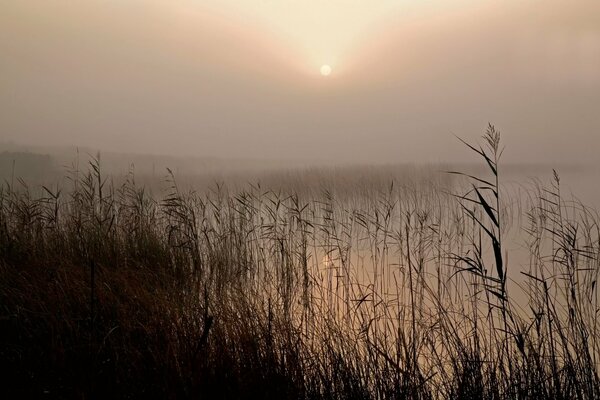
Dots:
pixel 325 70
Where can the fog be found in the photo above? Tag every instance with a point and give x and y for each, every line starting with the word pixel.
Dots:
pixel 208 79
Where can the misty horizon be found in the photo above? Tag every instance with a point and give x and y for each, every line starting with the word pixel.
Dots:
pixel 213 80
pixel 300 199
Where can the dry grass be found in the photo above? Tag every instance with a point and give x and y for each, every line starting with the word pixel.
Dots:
pixel 403 293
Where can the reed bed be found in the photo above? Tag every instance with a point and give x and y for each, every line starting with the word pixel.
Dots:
pixel 407 291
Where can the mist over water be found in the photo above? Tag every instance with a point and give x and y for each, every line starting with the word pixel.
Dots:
pixel 299 199
pixel 203 80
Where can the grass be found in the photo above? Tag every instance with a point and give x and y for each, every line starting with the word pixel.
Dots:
pixel 406 292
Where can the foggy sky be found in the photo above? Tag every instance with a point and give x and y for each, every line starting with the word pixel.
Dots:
pixel 208 78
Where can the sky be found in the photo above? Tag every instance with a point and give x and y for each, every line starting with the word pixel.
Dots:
pixel 241 79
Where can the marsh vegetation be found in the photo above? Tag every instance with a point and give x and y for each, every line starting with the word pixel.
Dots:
pixel 388 290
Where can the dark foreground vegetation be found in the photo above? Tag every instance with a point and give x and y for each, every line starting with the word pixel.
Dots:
pixel 109 292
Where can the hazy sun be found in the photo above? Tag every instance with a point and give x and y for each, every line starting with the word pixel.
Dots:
pixel 325 70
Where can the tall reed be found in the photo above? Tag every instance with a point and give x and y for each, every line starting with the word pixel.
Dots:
pixel 404 291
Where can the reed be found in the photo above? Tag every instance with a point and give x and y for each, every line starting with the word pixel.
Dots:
pixel 403 291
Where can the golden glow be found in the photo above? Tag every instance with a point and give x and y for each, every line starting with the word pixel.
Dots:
pixel 325 70
pixel 317 29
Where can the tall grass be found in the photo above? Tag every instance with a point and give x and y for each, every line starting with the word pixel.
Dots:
pixel 108 291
